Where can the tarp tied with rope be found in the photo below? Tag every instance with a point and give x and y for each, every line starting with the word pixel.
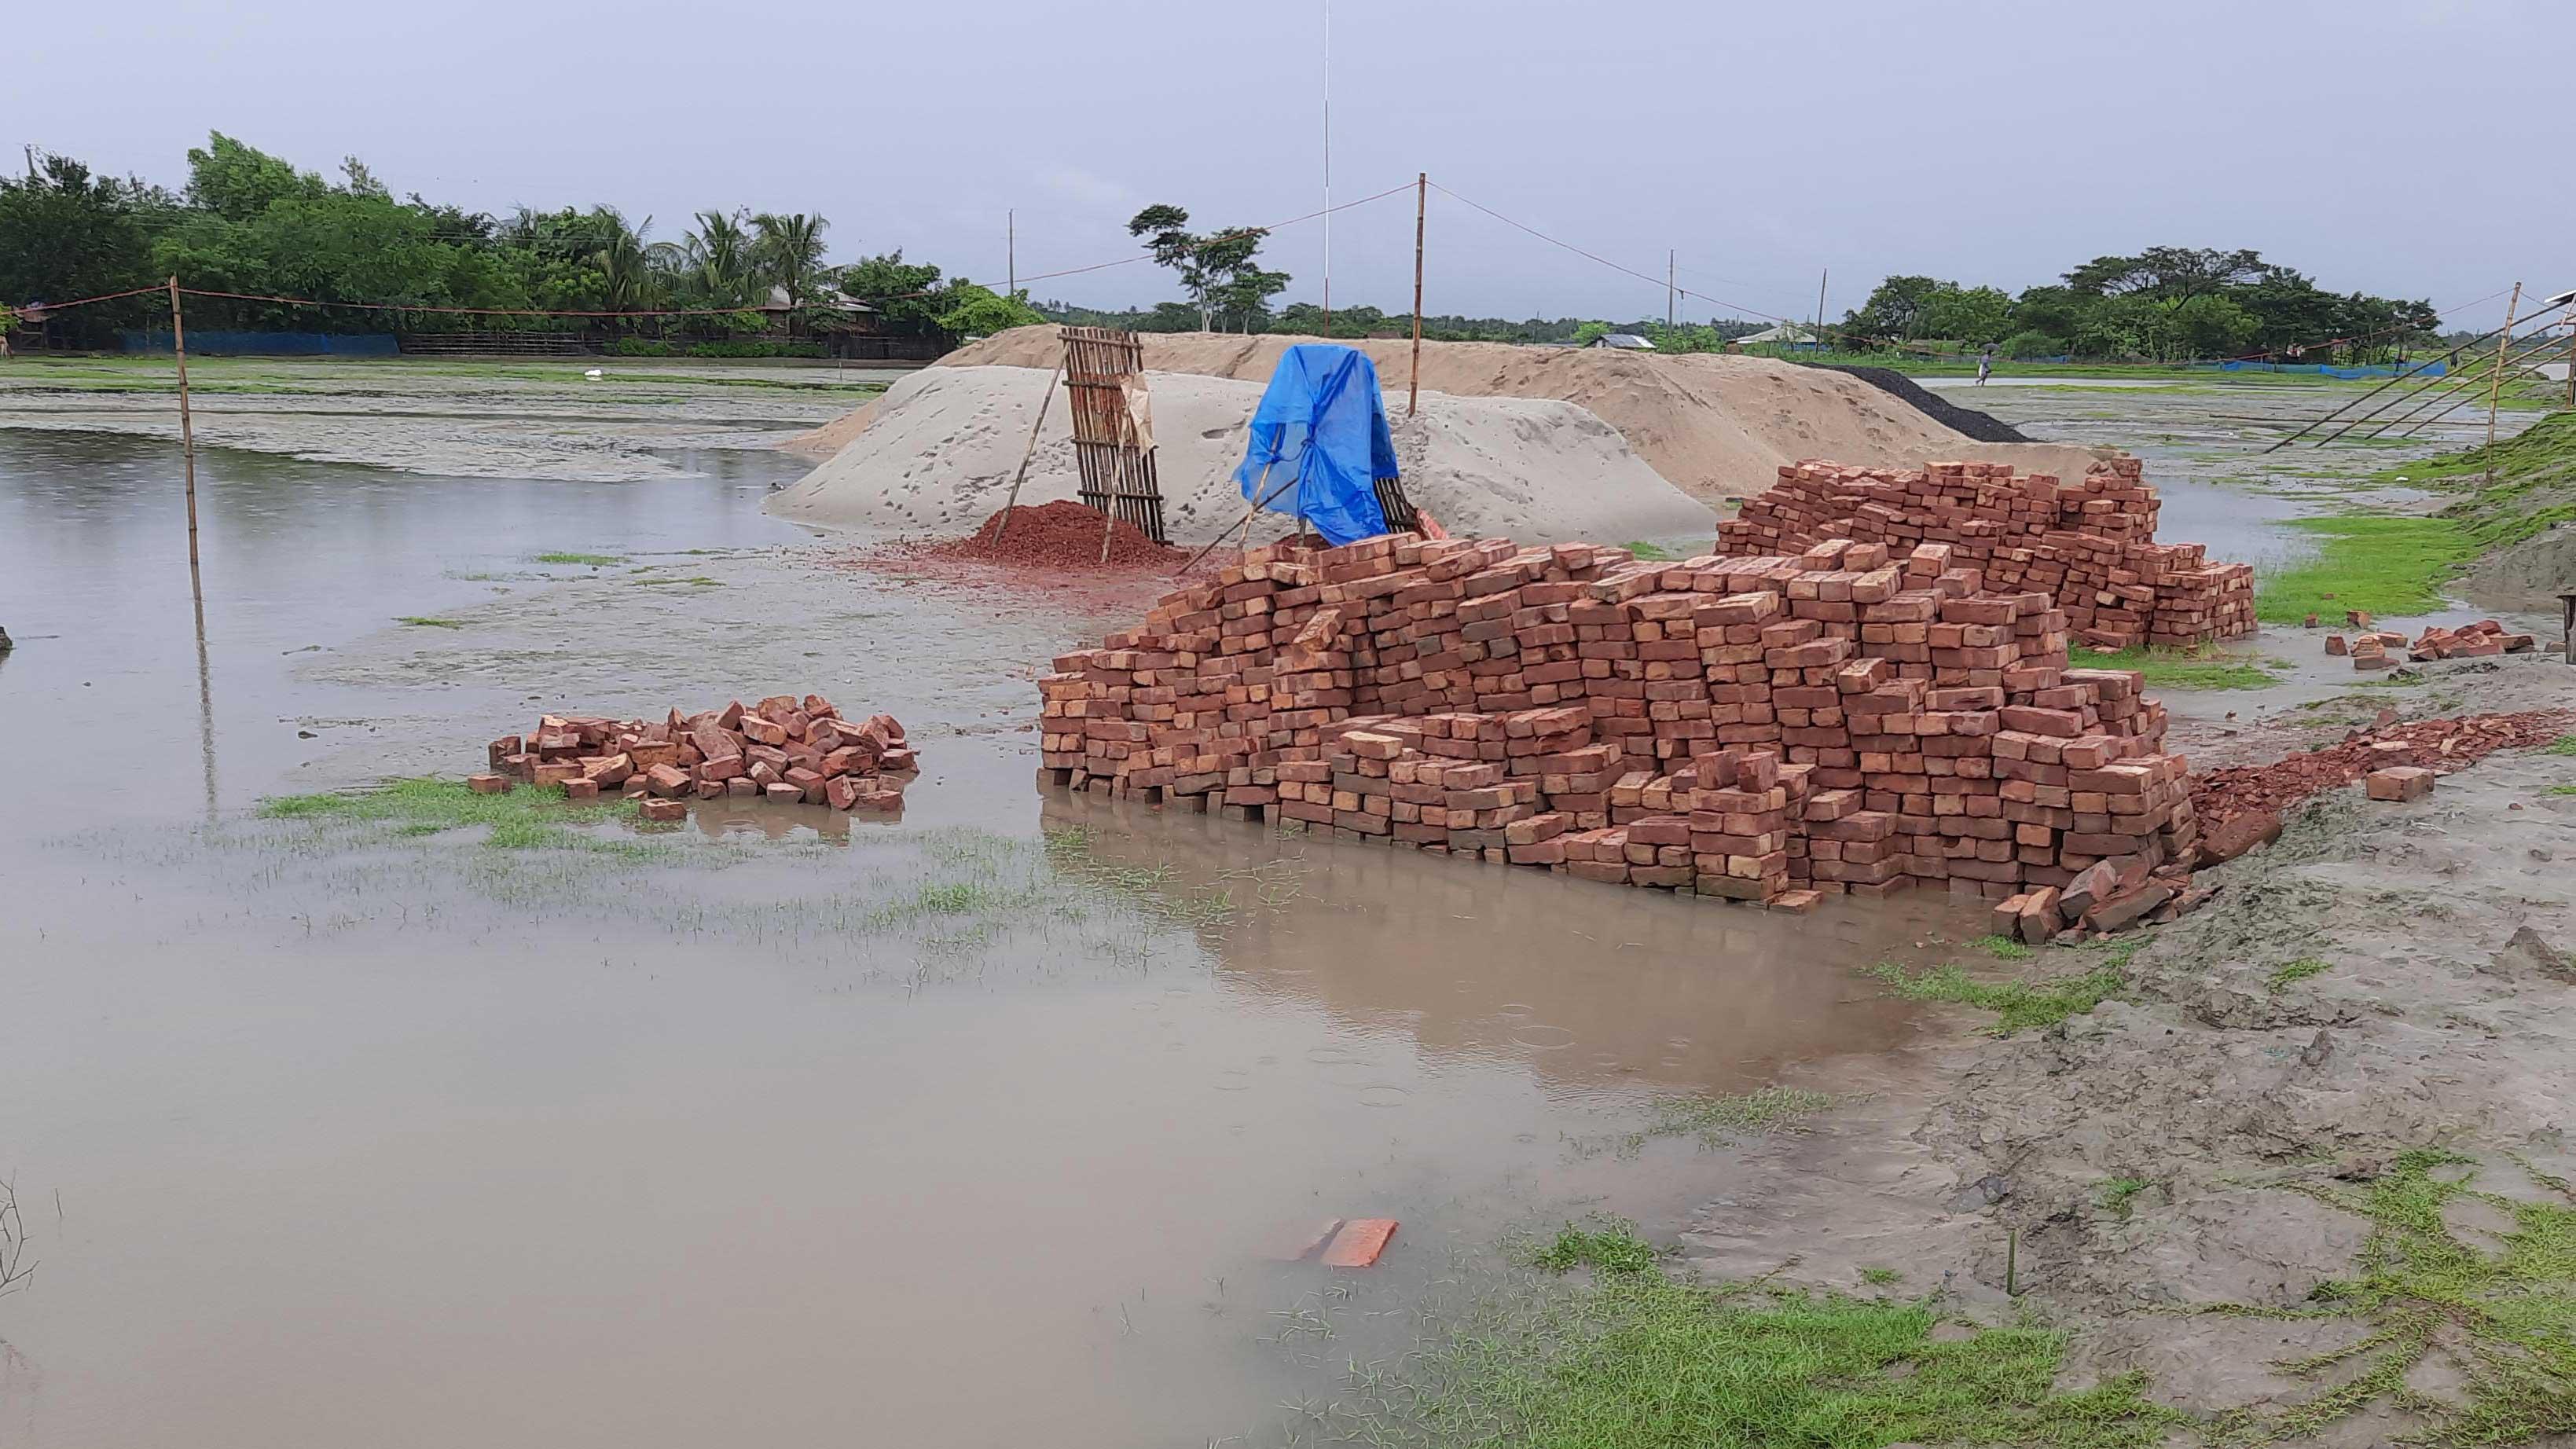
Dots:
pixel 1320 443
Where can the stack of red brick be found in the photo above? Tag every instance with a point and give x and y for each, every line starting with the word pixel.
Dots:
pixel 2089 545
pixel 783 748
pixel 1759 728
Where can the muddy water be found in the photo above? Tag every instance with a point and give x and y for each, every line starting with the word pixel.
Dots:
pixel 979 1128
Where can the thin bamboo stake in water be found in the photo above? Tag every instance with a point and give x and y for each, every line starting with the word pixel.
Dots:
pixel 1044 401
pixel 187 430
pixel 2495 384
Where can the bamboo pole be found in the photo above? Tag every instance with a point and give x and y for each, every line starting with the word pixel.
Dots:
pixel 1421 201
pixel 1257 500
pixel 187 429
pixel 2396 381
pixel 1027 453
pixel 2569 321
pixel 2521 355
pixel 2495 385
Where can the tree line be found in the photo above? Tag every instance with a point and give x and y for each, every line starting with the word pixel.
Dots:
pixel 2163 304
pixel 250 222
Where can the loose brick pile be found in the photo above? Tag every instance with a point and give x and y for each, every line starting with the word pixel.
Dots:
pixel 2089 545
pixel 1757 728
pixel 2436 745
pixel 2484 639
pixel 783 748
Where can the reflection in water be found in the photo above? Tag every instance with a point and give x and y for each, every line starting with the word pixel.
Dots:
pixel 1587 984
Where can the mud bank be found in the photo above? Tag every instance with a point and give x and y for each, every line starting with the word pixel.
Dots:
pixel 2177 1175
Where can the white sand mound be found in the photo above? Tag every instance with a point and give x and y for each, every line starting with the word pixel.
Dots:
pixel 1716 426
pixel 940 449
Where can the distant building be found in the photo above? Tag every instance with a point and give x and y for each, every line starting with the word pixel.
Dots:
pixel 1787 334
pixel 1624 341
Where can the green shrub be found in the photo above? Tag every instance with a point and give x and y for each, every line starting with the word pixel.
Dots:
pixel 2034 344
pixel 641 347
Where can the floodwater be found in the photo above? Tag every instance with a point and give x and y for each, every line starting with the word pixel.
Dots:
pixel 2206 450
pixel 981 1127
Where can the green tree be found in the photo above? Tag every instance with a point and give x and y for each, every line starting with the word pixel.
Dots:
pixel 238 182
pixel 1971 314
pixel 906 295
pixel 1221 272
pixel 790 249
pixel 66 234
pixel 1895 308
pixel 2171 275
pixel 974 311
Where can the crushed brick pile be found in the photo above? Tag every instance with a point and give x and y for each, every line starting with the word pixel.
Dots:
pixel 2089 545
pixel 1756 728
pixel 2484 639
pixel 1058 535
pixel 2438 745
pixel 782 748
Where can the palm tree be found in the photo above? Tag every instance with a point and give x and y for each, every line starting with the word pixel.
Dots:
pixel 721 255
pixel 627 264
pixel 790 250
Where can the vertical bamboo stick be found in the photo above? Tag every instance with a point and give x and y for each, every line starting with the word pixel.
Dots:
pixel 1421 199
pixel 187 429
pixel 1044 401
pixel 2495 384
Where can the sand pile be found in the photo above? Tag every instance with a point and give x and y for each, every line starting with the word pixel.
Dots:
pixel 1715 426
pixel 943 444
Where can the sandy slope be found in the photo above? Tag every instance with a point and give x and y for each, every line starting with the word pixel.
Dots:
pixel 946 441
pixel 1716 426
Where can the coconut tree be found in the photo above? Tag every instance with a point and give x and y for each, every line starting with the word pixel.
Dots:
pixel 625 261
pixel 721 253
pixel 790 250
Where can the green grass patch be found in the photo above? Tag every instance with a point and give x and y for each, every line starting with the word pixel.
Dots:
pixel 521 819
pixel 2562 789
pixel 2117 1192
pixel 2391 566
pixel 2002 948
pixel 1636 1360
pixel 2563 745
pixel 695 581
pixel 594 560
pixel 2018 1005
pixel 2299 970
pixel 2176 669
pixel 1649 551
pixel 1612 1248
pixel 424 621
pixel 1881 1277
pixel 2505 1315
pixel 1718 1120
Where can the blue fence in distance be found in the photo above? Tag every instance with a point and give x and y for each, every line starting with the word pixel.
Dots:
pixel 269 344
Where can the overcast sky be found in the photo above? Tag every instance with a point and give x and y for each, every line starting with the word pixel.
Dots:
pixel 2407 147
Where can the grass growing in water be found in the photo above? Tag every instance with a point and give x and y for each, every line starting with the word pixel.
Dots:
pixel 423 621
pixel 2002 948
pixel 2018 1005
pixel 1611 1248
pixel 517 820
pixel 2563 745
pixel 2505 1318
pixel 2173 669
pixel 1636 1360
pixel 2391 566
pixel 2299 970
pixel 595 560
pixel 1718 1120
pixel 1877 1277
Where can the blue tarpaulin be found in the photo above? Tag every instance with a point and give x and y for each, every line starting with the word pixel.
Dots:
pixel 1320 434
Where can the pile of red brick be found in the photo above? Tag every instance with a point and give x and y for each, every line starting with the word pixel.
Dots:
pixel 1758 728
pixel 783 748
pixel 2484 639
pixel 2090 545
pixel 2435 745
